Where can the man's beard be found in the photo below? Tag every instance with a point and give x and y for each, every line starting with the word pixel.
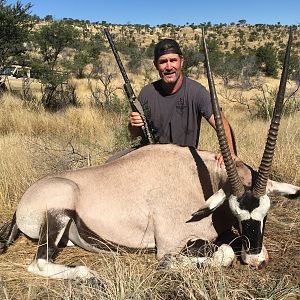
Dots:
pixel 170 79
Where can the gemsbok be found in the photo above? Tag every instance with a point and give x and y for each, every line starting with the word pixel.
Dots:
pixel 150 199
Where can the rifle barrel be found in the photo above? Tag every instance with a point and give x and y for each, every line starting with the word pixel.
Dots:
pixel 117 57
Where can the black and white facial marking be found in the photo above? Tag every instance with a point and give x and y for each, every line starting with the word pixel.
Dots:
pixel 251 213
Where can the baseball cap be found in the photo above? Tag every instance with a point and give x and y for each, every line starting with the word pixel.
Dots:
pixel 166 46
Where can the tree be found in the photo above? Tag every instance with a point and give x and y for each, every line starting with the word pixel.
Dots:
pixel 267 60
pixel 51 41
pixel 149 51
pixel 87 52
pixel 242 22
pixel 228 66
pixel 133 52
pixel 100 81
pixel 294 64
pixel 249 70
pixel 15 24
pixel 192 58
pixel 49 18
pixel 215 55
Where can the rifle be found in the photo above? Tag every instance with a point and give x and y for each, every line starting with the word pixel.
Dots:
pixel 147 137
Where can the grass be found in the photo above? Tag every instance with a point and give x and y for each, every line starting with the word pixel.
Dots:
pixel 137 277
pixel 34 142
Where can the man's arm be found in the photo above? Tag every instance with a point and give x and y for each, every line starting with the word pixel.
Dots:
pixel 229 135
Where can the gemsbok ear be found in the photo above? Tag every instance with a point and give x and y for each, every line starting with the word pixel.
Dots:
pixel 288 190
pixel 211 204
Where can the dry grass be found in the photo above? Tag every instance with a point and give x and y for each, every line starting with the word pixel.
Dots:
pixel 34 142
pixel 85 121
pixel 14 162
pixel 135 276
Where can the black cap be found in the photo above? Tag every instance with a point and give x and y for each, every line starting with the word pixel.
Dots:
pixel 166 46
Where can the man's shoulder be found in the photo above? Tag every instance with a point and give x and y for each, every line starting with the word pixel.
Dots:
pixel 150 88
pixel 194 84
pixel 195 88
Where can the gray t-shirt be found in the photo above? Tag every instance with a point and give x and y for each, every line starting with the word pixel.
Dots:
pixel 176 118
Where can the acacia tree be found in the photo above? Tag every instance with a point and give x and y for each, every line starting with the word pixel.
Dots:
pixel 192 58
pixel 15 26
pixel 53 39
pixel 294 64
pixel 100 81
pixel 87 52
pixel 242 22
pixel 267 60
pixel 228 66
pixel 133 53
pixel 50 42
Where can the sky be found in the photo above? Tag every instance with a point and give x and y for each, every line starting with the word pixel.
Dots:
pixel 156 12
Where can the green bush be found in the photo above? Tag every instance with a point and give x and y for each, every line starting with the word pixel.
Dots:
pixel 264 106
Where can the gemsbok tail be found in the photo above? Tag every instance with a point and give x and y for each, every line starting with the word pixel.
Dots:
pixel 9 232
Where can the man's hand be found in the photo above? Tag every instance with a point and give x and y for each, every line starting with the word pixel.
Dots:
pixel 135 120
pixel 135 124
pixel 220 159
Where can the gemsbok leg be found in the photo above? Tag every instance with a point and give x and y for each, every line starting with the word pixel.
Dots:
pixel 8 233
pixel 54 230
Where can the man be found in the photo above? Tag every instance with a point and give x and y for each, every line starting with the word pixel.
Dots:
pixel 175 104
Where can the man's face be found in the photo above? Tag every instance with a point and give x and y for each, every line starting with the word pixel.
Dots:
pixel 169 67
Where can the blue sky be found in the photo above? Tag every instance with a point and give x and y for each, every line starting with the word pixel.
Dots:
pixel 155 12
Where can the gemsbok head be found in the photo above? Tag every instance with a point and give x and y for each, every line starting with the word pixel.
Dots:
pixel 251 204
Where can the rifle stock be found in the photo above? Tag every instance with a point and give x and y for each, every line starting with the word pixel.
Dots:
pixel 147 137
